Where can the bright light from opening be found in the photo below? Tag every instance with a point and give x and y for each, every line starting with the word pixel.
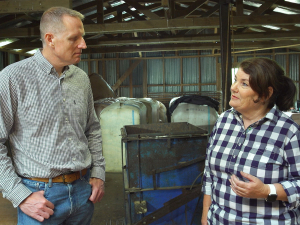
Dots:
pixel 271 27
pixel 117 3
pixel 5 42
pixel 32 51
pixel 233 72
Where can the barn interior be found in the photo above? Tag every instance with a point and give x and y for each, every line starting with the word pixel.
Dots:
pixel 147 54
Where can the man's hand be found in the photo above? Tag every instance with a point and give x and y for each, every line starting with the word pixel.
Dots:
pixel 98 189
pixel 37 206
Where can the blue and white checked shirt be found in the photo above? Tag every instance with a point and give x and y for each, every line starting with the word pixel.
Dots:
pixel 51 124
pixel 269 150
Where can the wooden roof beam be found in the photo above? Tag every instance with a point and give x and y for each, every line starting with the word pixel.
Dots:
pixel 190 9
pixel 288 5
pixel 87 6
pixel 191 23
pixel 257 36
pixel 260 11
pixel 264 7
pixel 163 25
pixel 250 46
pixel 22 6
pixel 239 8
pixel 100 12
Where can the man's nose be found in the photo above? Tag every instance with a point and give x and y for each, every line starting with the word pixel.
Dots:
pixel 82 44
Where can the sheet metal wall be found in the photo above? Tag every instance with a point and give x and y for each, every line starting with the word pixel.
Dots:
pixel 168 73
pixel 294 70
pixel 155 74
pixel 208 73
pixel 172 74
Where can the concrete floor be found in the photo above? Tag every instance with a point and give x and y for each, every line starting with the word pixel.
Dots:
pixel 110 211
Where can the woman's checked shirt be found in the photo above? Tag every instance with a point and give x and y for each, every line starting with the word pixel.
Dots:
pixel 269 150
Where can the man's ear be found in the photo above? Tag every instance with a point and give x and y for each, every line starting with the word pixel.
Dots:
pixel 49 39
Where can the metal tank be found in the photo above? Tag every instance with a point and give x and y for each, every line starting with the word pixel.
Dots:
pixel 162 171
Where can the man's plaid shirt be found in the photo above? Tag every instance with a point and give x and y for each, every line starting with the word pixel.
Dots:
pixel 51 123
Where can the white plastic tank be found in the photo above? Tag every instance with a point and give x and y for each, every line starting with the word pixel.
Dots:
pixel 99 105
pixel 201 116
pixel 152 109
pixel 162 113
pixel 112 119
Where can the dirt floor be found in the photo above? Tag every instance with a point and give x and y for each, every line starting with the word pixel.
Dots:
pixel 110 211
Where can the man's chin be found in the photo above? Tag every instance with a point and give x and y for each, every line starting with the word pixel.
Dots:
pixel 77 61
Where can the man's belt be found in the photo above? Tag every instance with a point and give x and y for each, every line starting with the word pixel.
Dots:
pixel 64 178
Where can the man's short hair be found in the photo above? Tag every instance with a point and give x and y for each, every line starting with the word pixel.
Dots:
pixel 52 22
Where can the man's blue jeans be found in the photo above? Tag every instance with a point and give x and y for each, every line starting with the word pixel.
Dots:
pixel 71 202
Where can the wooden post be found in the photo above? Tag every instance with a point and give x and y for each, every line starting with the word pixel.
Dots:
pixel 225 50
pixel 100 13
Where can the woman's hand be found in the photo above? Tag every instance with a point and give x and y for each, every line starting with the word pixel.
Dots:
pixel 206 205
pixel 255 188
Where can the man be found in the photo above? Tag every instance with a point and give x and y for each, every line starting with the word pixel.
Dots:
pixel 47 114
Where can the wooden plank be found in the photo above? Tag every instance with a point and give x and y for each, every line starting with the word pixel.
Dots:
pixel 162 25
pixel 190 23
pixel 126 74
pixel 257 36
pixel 27 6
pixel 248 46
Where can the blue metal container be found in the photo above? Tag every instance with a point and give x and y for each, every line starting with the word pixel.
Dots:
pixel 162 166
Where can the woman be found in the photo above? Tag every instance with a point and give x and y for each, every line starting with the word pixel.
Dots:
pixel 252 169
